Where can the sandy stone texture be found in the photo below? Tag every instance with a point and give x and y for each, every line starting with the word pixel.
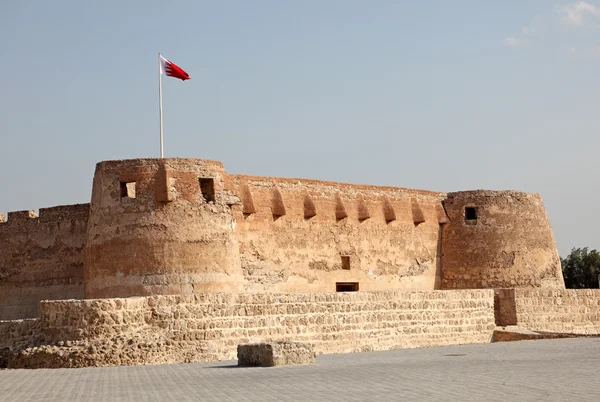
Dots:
pixel 510 244
pixel 179 226
pixel 205 327
pixel 565 311
pixel 41 257
pixel 270 354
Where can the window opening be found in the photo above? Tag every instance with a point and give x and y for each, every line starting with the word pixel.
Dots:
pixel 346 286
pixel 345 262
pixel 127 189
pixel 470 214
pixel 207 188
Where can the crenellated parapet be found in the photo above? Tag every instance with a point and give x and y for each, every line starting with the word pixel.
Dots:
pixel 333 201
pixel 370 237
pixel 45 215
pixel 15 217
pixel 41 257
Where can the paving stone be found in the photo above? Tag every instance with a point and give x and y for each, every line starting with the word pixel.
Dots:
pixel 548 370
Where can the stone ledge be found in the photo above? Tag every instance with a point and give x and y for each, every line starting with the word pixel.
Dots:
pixel 270 354
pixel 513 333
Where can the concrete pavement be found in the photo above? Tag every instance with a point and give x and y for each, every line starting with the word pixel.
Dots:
pixel 549 370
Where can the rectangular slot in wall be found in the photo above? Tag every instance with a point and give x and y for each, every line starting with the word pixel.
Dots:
pixel 207 188
pixel 346 286
pixel 127 189
pixel 345 262
pixel 471 215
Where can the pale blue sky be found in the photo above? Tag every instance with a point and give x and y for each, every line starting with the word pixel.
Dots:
pixel 433 95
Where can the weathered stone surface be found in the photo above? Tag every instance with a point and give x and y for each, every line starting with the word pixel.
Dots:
pixel 270 354
pixel 278 205
pixel 441 214
pixel 209 326
pixel 508 334
pixel 310 209
pixel 565 311
pixel 300 252
pixel 389 213
pixel 340 208
pixel 264 234
pixel 247 200
pixel 141 246
pixel 417 212
pixel 509 245
pixel 363 210
pixel 41 258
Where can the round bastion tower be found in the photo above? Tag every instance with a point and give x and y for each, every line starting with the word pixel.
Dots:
pixel 160 226
pixel 498 239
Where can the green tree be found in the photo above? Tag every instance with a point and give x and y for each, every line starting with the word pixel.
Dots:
pixel 581 268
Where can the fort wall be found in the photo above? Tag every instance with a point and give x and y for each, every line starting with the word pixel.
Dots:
pixel 298 235
pixel 498 239
pixel 204 327
pixel 41 258
pixel 154 229
pixel 566 311
pixel 185 226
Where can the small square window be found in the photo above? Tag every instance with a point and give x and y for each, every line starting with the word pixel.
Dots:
pixel 346 286
pixel 207 188
pixel 345 262
pixel 127 189
pixel 470 214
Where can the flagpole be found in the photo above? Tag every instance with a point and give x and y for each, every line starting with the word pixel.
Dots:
pixel 160 105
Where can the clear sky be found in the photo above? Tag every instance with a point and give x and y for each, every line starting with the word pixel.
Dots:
pixel 438 95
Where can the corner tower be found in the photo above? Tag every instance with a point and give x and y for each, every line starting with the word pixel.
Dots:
pixel 161 226
pixel 498 239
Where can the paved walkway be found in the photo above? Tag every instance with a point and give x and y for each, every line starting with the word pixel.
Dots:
pixel 548 370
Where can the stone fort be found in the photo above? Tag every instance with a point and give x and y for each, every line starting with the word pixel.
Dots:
pixel 176 260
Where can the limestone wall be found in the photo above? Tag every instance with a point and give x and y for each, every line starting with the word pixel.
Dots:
pixel 509 243
pixel 567 311
pixel 294 235
pixel 154 229
pixel 41 258
pixel 16 334
pixel 185 226
pixel 203 327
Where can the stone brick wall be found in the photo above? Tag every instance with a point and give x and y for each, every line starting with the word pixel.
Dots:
pixel 41 258
pixel 567 311
pixel 186 226
pixel 203 327
pixel 17 334
pixel 293 233
pixel 510 243
pixel 152 230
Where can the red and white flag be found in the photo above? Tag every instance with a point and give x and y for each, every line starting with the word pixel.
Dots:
pixel 171 69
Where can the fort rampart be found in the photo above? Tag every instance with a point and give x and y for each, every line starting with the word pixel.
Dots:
pixel 186 226
pixel 175 260
pixel 204 327
pixel 209 326
pixel 41 258
pixel 303 235
pixel 566 311
pixel 498 239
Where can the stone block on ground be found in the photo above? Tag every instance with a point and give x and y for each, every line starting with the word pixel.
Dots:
pixel 513 333
pixel 269 354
